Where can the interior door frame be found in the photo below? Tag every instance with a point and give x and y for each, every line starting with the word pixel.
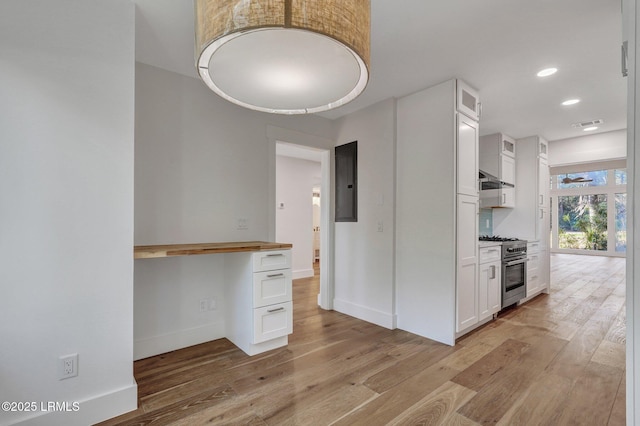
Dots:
pixel 325 146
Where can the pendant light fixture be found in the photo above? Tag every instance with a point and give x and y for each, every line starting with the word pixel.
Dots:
pixel 284 56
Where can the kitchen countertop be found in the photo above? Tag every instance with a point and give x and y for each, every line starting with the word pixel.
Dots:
pixel 169 250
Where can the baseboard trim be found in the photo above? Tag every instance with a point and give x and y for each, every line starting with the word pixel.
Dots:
pixel 302 273
pixel 150 346
pixel 90 411
pixel 365 313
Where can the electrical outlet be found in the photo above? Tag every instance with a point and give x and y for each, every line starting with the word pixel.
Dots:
pixel 208 304
pixel 67 366
pixel 242 224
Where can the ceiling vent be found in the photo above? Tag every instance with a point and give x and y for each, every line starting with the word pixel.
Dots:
pixel 588 123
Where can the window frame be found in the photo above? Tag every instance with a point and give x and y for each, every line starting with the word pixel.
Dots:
pixel 610 190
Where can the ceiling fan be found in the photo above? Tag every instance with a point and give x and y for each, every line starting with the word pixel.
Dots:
pixel 579 179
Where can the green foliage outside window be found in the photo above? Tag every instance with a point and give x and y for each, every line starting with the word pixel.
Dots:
pixel 583 222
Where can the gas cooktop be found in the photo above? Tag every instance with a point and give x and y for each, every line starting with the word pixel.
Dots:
pixel 496 238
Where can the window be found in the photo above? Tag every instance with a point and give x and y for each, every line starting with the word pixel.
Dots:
pixel 580 180
pixel 582 222
pixel 621 222
pixel 589 211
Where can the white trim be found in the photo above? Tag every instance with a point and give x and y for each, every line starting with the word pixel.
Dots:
pixel 302 273
pixel 630 21
pixel 383 319
pixel 588 167
pixel 276 135
pixel 90 411
pixel 327 249
pixel 150 346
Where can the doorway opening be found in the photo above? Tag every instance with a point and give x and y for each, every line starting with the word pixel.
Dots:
pixel 302 179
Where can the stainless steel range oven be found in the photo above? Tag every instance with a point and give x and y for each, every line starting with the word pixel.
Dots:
pixel 514 269
pixel 514 272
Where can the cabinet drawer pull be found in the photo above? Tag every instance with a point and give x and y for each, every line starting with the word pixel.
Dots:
pixel 275 275
pixel 275 255
pixel 275 310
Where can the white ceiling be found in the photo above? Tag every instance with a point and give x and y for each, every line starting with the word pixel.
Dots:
pixel 496 46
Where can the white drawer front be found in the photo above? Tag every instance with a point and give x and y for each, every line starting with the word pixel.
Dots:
pixel 489 254
pixel 271 260
pixel 271 287
pixel 533 282
pixel 533 247
pixel 533 262
pixel 272 321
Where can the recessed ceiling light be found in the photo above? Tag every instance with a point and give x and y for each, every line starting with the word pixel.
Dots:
pixel 547 72
pixel 570 102
pixel 590 129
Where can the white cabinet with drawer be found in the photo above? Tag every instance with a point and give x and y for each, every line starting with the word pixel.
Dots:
pixel 259 314
pixel 537 268
pixel 271 260
pixel 273 321
pixel 485 298
pixel 271 287
pixel 489 290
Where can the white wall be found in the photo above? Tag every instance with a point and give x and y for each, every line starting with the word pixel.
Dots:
pixel 201 164
pixel 66 216
pixel 364 257
pixel 295 179
pixel 590 148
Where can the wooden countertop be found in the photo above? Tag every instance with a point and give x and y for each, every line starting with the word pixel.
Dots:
pixel 150 252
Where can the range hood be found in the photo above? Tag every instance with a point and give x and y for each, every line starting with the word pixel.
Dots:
pixel 494 192
pixel 488 181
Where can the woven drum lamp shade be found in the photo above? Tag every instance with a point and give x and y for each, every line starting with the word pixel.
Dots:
pixel 284 56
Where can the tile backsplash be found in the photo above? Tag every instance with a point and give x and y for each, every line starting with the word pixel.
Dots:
pixel 486 222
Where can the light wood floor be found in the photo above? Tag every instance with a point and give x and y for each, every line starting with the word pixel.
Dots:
pixel 557 360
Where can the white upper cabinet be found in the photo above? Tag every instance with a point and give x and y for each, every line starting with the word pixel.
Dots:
pixel 507 146
pixel 543 148
pixel 497 158
pixel 530 218
pixel 468 100
pixel 467 158
pixel 507 169
pixel 544 183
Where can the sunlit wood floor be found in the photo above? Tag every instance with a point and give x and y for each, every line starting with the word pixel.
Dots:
pixel 557 360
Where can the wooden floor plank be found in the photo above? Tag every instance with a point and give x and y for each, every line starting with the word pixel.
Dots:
pixel 618 412
pixel 591 399
pixel 510 383
pixel 435 408
pixel 539 404
pixel 430 353
pixel 578 352
pixel 392 403
pixel 611 354
pixel 557 359
pixel 480 372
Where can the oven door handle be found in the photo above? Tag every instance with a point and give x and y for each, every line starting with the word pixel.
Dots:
pixel 516 262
